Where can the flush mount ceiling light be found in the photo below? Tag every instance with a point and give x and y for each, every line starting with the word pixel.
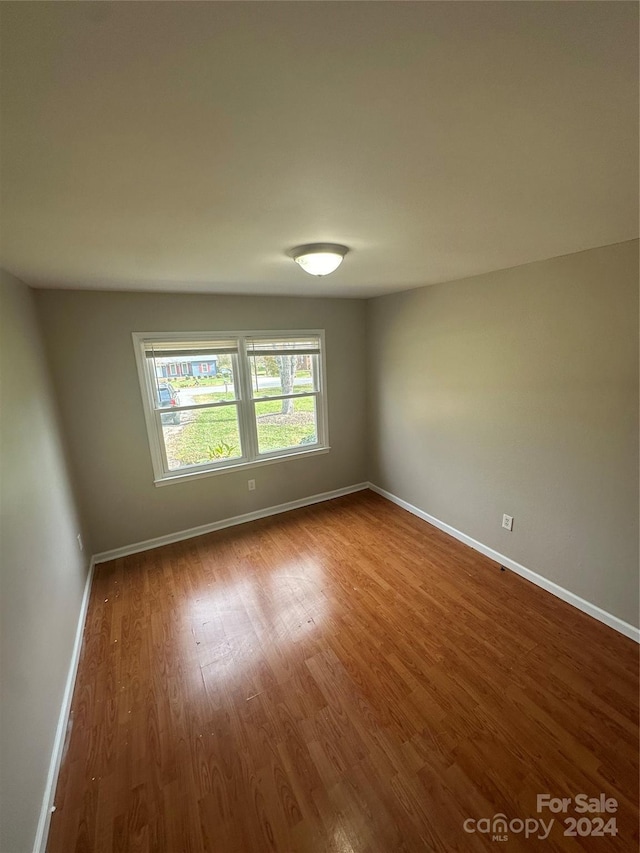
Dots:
pixel 319 258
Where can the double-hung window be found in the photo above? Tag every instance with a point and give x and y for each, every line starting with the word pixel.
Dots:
pixel 238 399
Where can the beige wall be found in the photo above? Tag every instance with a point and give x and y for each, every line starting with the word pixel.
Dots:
pixel 88 338
pixel 42 572
pixel 517 392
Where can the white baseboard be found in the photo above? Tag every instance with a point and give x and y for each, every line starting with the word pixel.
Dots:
pixel 42 832
pixel 559 591
pixel 104 556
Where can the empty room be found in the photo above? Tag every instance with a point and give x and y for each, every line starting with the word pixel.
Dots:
pixel 319 476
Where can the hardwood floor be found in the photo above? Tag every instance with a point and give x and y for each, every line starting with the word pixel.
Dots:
pixel 340 678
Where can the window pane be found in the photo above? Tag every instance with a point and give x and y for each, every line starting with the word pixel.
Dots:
pixel 200 437
pixel 201 378
pixel 273 375
pixel 286 423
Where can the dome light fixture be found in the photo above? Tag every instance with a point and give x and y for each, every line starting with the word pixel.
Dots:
pixel 319 258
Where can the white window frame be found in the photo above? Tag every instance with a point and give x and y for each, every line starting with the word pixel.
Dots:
pixel 245 404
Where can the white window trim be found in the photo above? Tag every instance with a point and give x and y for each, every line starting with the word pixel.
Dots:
pixel 246 422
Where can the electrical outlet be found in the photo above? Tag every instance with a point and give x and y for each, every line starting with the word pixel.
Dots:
pixel 80 545
pixel 507 522
pixel 252 485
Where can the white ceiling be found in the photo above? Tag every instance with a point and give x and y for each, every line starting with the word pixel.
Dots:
pixel 187 146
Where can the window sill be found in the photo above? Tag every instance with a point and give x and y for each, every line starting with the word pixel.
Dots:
pixel 241 466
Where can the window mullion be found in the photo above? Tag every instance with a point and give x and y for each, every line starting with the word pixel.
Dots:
pixel 277 397
pixel 196 407
pixel 248 421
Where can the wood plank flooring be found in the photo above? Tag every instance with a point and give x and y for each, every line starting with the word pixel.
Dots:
pixel 343 678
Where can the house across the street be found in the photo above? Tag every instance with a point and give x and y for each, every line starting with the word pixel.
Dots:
pixel 175 369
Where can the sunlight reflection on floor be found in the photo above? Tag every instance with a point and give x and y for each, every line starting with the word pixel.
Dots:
pixel 233 621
